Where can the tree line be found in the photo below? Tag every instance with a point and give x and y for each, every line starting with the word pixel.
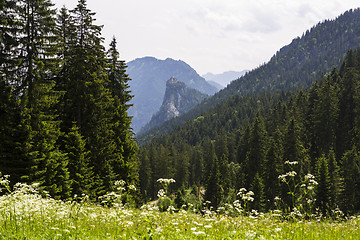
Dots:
pixel 272 144
pixel 64 101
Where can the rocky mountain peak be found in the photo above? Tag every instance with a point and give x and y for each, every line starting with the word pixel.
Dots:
pixel 178 99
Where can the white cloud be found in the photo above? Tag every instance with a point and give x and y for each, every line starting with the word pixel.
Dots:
pixel 211 35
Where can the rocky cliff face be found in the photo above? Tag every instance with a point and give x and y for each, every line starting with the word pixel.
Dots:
pixel 178 99
pixel 149 76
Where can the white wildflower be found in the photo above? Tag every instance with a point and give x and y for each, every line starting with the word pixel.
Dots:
pixel 171 209
pixel 119 183
pixel 165 180
pixel 291 163
pixel 161 193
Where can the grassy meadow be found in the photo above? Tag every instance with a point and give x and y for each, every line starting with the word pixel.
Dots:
pixel 24 214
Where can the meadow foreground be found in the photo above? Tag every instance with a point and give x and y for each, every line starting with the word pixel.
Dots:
pixel 26 215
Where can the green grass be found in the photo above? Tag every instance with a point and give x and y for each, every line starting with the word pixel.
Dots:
pixel 28 216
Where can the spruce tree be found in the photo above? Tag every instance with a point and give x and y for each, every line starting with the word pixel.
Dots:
pixel 294 149
pixel 197 170
pixel 257 187
pixel 346 129
pixel 222 153
pixel 79 169
pixel 145 174
pixel 255 157
pixel 13 136
pixel 182 167
pixel 10 29
pixel 34 86
pixel 323 189
pixel 335 180
pixel 273 168
pixel 87 101
pixel 126 163
pixel 325 117
pixel 214 191
pixel 296 159
pixel 351 179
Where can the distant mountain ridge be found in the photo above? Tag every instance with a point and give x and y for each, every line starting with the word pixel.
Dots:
pixel 224 78
pixel 297 65
pixel 149 76
pixel 178 100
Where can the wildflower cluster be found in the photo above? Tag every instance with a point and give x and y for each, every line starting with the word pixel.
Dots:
pixel 245 198
pixel 117 197
pixel 284 177
pixel 4 183
pixel 164 202
pixel 301 192
pixel 310 182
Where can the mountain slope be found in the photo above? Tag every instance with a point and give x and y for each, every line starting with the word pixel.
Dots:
pixel 224 78
pixel 149 76
pixel 296 65
pixel 178 100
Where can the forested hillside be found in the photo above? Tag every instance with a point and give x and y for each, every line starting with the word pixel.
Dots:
pixel 298 64
pixel 64 101
pixel 304 142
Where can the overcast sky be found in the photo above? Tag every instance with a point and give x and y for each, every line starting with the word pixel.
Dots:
pixel 210 35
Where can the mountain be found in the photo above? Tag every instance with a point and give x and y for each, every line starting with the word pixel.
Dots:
pixel 297 65
pixel 149 76
pixel 178 100
pixel 224 78
pixel 215 84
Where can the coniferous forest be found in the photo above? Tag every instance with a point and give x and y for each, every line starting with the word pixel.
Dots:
pixel 272 144
pixel 64 123
pixel 64 101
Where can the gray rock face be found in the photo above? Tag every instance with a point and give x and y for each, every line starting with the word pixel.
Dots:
pixel 178 99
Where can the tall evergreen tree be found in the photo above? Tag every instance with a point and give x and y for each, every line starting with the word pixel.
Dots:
pixel 257 149
pixel 79 170
pixel 126 163
pixel 273 168
pixel 323 188
pixel 214 191
pixel 13 136
pixel 145 174
pixel 87 101
pixel 296 157
pixel 294 149
pixel 351 177
pixel 325 117
pixel 34 85
pixel 350 77
pixel 257 187
pixel 335 180
pixel 10 29
pixel 181 166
